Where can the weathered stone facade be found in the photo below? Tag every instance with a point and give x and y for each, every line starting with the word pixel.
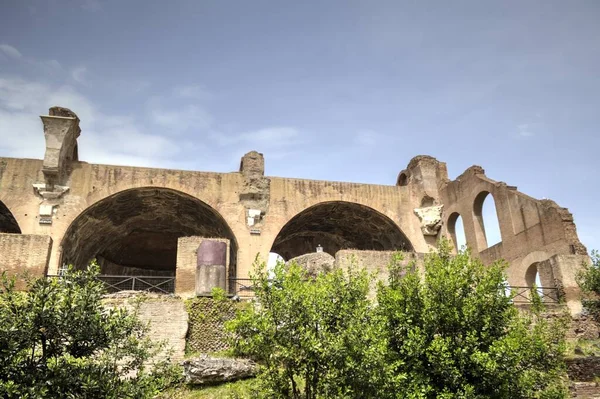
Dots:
pixel 165 316
pixel 133 220
pixel 24 253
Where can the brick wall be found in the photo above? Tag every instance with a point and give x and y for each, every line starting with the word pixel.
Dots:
pixel 583 369
pixel 166 316
pixel 185 274
pixel 585 390
pixel 374 261
pixel 21 253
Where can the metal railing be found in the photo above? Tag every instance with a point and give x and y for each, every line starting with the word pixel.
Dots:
pixel 522 295
pixel 115 283
pixel 242 287
pixel 158 284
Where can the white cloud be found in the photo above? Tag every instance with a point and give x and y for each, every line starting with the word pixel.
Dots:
pixel 126 145
pixel 79 75
pixel 271 137
pixel 193 92
pixel 368 138
pixel 525 130
pixel 21 135
pixel 10 51
pixel 50 65
pixel 122 139
pixel 179 119
pixel 104 139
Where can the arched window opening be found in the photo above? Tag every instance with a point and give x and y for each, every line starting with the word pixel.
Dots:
pixel 8 223
pixel 456 229
pixel 540 275
pixel 487 226
pixel 274 259
pixel 338 225
pixel 402 180
pixel 135 232
pixel 532 276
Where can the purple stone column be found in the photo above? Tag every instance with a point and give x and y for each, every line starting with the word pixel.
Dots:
pixel 211 266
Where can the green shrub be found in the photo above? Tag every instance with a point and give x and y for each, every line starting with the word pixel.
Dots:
pixel 450 332
pixel 315 337
pixel 589 281
pixel 454 333
pixel 57 340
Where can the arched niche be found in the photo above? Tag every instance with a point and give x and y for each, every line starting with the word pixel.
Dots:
pixel 487 226
pixel 8 223
pixel 339 225
pixel 136 231
pixel 456 230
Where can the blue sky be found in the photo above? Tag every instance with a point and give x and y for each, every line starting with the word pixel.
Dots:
pixel 335 90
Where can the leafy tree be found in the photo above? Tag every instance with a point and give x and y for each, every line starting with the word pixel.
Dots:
pixel 57 340
pixel 448 331
pixel 453 333
pixel 315 336
pixel 589 281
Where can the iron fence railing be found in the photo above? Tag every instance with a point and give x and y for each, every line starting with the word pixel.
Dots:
pixel 158 284
pixel 523 295
pixel 242 287
pixel 115 283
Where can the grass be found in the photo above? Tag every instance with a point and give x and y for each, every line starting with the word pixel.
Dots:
pixel 583 347
pixel 232 390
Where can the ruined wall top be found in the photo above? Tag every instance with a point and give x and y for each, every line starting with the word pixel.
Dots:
pixel 61 130
pixel 253 164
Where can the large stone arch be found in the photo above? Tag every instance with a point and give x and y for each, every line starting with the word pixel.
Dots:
pixel 481 225
pixel 137 229
pixel 453 232
pixel 530 268
pixel 8 223
pixel 337 225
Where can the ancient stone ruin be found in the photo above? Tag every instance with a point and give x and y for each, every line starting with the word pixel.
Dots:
pixel 146 226
pixel 187 232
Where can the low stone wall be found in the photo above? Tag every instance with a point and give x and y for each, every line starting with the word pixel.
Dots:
pixel 583 327
pixel 585 390
pixel 24 253
pixel 374 261
pixel 315 262
pixel 583 369
pixel 165 315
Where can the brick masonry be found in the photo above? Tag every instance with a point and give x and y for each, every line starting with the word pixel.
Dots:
pixel 165 315
pixel 187 251
pixel 24 253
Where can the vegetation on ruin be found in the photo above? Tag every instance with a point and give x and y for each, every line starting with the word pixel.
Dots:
pixel 206 317
pixel 449 331
pixel 57 340
pixel 589 281
pixel 454 333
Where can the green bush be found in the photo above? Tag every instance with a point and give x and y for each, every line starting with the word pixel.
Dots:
pixel 589 281
pixel 449 331
pixel 454 333
pixel 206 319
pixel 57 340
pixel 315 337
